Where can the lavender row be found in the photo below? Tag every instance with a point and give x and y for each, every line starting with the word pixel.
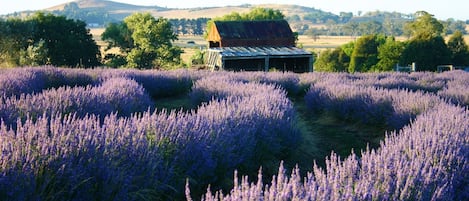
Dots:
pixel 421 81
pixel 457 90
pixel 290 82
pixel 393 108
pixel 277 135
pixel 170 83
pixel 427 160
pixel 17 81
pixel 72 158
pixel 116 95
pixel 146 154
pixel 158 84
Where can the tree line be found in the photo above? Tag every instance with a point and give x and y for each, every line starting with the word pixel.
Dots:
pixel 143 41
pixel 378 52
pixel 346 24
pixel 47 39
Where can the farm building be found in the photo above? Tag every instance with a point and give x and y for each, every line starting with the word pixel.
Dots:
pixel 255 46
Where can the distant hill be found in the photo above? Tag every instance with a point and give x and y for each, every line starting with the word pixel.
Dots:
pixel 304 20
pixel 123 9
pixel 108 6
pixel 100 12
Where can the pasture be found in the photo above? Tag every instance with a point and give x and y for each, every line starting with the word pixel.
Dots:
pixel 81 134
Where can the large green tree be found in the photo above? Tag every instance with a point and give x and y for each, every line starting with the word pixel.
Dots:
pixel 389 54
pixel 427 53
pixel 459 49
pixel 426 48
pixel 425 25
pixel 47 39
pixel 68 41
pixel 365 54
pixel 335 60
pixel 143 41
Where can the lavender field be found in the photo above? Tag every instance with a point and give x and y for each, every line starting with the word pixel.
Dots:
pixel 76 134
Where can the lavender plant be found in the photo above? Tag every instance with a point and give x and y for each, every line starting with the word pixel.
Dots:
pixel 117 95
pixel 235 130
pixel 427 160
pixel 92 135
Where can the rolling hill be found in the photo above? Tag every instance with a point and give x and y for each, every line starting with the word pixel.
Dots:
pixel 109 6
pixel 118 11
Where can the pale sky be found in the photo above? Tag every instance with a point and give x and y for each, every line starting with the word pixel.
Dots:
pixel 441 9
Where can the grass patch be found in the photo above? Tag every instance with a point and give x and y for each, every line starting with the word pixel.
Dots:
pixel 181 102
pixel 323 133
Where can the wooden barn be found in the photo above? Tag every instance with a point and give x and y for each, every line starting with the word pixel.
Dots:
pixel 255 46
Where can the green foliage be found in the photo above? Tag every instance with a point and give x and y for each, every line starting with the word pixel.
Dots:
pixel 370 27
pixel 426 52
pixel 263 14
pixel 451 26
pixel 118 35
pixel 168 56
pixel 34 55
pixel 198 58
pixel 332 61
pixel 144 42
pixel 424 26
pixel 15 36
pixel 47 39
pixel 365 54
pixel 141 59
pixel 348 48
pixel 427 47
pixel 69 42
pixel 459 49
pixel 389 54
pixel 114 60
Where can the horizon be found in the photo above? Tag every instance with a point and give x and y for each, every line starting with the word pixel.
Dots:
pixel 438 8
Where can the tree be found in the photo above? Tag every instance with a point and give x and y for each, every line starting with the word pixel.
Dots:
pixel 451 26
pixel 365 54
pixel 426 47
pixel 15 36
pixel 263 14
pixel 34 55
pixel 389 54
pixel 119 36
pixel 392 27
pixel 47 39
pixel 351 28
pixel 427 53
pixel 424 26
pixel 332 61
pixel 68 42
pixel 371 27
pixel 144 42
pixel 459 49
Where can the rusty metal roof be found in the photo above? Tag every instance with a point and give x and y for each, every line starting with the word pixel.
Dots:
pixel 261 29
